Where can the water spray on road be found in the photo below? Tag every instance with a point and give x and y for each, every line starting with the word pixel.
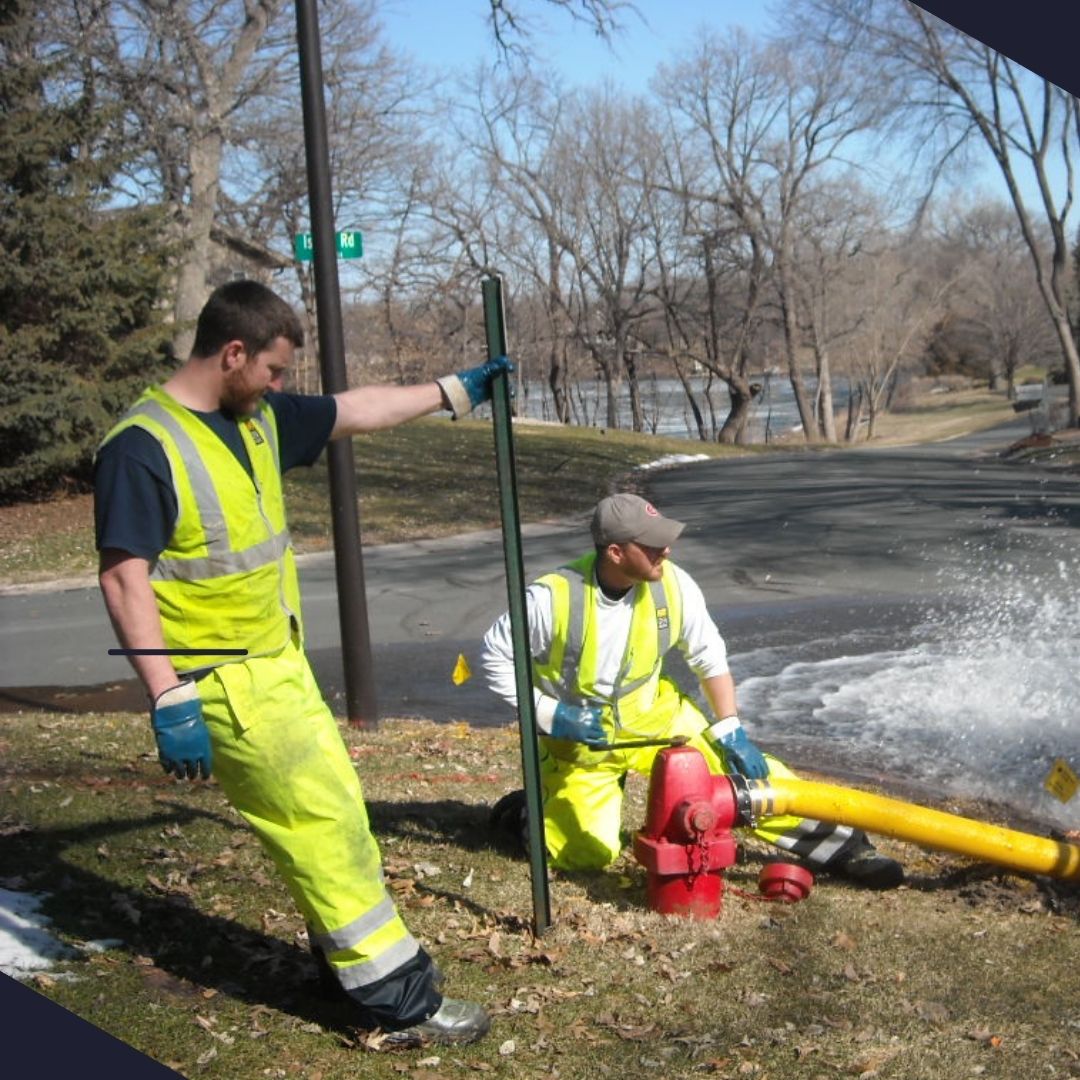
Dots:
pixel 979 701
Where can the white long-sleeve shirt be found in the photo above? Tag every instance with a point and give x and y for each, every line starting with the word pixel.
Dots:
pixel 700 641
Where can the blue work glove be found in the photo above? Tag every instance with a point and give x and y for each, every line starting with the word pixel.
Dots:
pixel 730 736
pixel 469 388
pixel 577 723
pixel 182 739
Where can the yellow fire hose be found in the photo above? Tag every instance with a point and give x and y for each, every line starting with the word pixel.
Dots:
pixel 905 821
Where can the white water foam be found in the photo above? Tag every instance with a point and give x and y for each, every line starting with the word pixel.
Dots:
pixel 980 704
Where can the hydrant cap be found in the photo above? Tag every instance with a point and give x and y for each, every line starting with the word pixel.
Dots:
pixel 784 881
pixel 699 817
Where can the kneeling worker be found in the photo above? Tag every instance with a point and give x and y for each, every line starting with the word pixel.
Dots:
pixel 598 631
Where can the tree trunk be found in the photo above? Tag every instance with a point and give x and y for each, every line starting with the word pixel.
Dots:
pixel 826 412
pixel 699 420
pixel 557 382
pixel 195 268
pixel 791 343
pixel 742 397
pixel 611 392
pixel 637 413
pixel 854 413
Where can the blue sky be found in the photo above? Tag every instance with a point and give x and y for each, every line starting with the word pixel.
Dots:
pixel 454 34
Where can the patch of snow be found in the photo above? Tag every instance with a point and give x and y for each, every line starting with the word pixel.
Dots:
pixel 25 945
pixel 673 459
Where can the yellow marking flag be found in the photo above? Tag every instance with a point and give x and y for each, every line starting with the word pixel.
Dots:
pixel 1061 781
pixel 461 672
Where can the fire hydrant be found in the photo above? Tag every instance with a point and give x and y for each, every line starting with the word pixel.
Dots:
pixel 686 842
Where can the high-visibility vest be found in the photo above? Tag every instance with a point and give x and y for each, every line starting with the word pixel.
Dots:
pixel 227 579
pixel 568 670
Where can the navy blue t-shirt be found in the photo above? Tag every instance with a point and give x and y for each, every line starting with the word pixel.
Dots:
pixel 134 501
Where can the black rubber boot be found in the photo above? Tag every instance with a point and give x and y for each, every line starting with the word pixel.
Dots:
pixel 869 868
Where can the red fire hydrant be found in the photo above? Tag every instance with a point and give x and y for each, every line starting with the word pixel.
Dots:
pixel 686 842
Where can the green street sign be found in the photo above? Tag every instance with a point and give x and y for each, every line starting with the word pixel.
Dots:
pixel 349 243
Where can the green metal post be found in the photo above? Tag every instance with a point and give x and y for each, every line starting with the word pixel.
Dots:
pixel 495 325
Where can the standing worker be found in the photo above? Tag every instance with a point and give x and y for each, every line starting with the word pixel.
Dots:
pixel 598 632
pixel 195 554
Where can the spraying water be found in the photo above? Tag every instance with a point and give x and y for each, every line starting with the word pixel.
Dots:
pixel 977 698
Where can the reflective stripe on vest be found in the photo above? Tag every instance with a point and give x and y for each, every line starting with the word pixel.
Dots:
pixel 573 590
pixel 211 513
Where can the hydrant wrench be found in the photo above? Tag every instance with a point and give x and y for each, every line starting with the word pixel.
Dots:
pixel 634 744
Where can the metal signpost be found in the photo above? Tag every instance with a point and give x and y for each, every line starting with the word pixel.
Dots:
pixel 495 325
pixel 348 556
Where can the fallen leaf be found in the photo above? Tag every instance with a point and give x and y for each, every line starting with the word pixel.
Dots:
pixel 869 1065
pixel 841 940
pixel 933 1012
pixel 162 982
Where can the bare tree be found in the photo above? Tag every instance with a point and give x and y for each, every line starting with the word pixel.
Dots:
pixel 998 304
pixel 718 137
pixel 832 229
pixel 513 29
pixel 609 140
pixel 515 134
pixel 961 90
pixel 817 110
pixel 184 71
pixel 899 298
pixel 377 151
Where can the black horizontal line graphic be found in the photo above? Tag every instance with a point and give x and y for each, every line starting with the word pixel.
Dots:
pixel 178 652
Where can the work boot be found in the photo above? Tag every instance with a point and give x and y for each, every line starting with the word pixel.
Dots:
pixel 510 819
pixel 869 868
pixel 456 1022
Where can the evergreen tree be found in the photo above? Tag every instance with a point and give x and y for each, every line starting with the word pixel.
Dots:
pixel 81 279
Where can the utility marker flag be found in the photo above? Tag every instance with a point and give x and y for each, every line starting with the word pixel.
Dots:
pixel 1061 781
pixel 462 672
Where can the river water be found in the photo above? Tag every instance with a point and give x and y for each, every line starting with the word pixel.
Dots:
pixel 667 411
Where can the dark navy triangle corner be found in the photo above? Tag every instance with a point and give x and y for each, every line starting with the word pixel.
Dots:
pixel 1040 35
pixel 41 1038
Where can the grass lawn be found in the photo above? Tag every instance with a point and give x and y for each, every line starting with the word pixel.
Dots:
pixel 432 477
pixel 202 964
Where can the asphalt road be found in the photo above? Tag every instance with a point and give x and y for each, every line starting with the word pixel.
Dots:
pixel 781 544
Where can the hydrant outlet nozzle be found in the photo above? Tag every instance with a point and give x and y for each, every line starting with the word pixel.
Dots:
pixel 745 802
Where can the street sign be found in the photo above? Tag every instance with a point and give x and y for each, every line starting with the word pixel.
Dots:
pixel 349 243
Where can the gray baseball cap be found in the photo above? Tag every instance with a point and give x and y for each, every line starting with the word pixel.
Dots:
pixel 621 518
